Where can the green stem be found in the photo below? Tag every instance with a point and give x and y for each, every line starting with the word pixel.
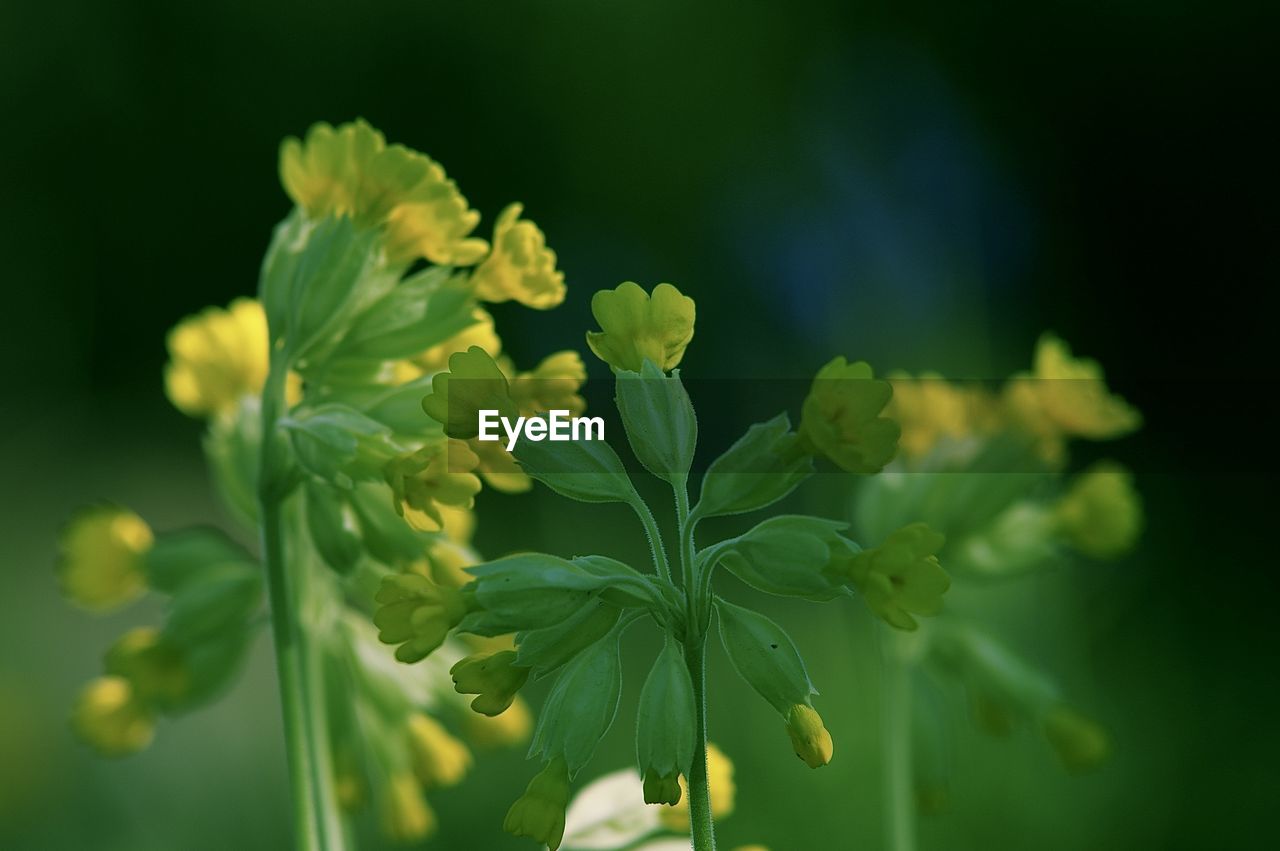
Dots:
pixel 654 535
pixel 317 825
pixel 900 817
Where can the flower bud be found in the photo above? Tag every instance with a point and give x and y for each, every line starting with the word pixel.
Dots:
pixel 438 758
pixel 810 740
pixel 662 788
pixel 1080 742
pixel 1101 514
pixel 494 677
pixel 101 560
pixel 637 327
pixel 539 812
pixel 109 715
pixel 416 613
pixel 520 267
pixel 438 474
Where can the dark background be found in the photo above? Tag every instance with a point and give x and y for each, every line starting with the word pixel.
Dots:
pixel 923 185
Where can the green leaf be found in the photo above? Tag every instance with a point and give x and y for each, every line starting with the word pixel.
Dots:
pixel 659 419
pixel 666 716
pixel 581 706
pixel 546 650
pixel 789 556
pixel 419 312
pixel 765 656
pixel 757 471
pixel 339 444
pixel 585 470
pixel 337 544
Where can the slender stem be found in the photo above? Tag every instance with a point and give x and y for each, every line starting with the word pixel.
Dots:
pixel 900 825
pixel 654 535
pixel 314 812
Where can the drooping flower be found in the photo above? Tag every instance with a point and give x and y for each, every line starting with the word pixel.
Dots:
pixel 539 813
pixel 435 475
pixel 902 576
pixel 1080 743
pixel 100 563
pixel 929 409
pixel 493 677
pixel 723 792
pixel 1101 513
pixel 809 738
pixel 109 715
pixel 416 614
pixel 554 384
pixel 405 815
pixel 492 731
pixel 520 267
pixel 436 359
pixel 636 327
pixel 841 417
pixel 439 759
pixel 351 170
pixel 498 467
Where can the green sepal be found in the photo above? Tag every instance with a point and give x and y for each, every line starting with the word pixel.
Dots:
pixel 220 603
pixel 339 444
pixel 585 470
pixel 659 420
pixel 330 530
pixel 790 555
pixel 581 706
pixel 385 534
pixel 666 716
pixel 765 656
pixel 529 591
pixel 547 650
pixel 178 559
pixel 421 311
pixel 762 467
pixel 399 408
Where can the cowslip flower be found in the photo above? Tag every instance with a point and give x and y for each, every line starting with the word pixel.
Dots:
pixel 902 576
pixel 539 813
pixel 473 382
pixel 723 792
pixel 437 474
pixel 481 333
pixel 809 738
pixel 841 417
pixel 929 409
pixel 554 384
pixel 493 677
pixel 111 717
pixel 498 467
pixel 416 614
pixel 1081 744
pixel 100 563
pixel 636 326
pixel 438 758
pixel 1101 513
pixel 351 170
pixel 520 267
pixel 403 809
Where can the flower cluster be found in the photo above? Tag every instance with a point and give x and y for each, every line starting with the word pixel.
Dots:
pixel 567 615
pixel 317 442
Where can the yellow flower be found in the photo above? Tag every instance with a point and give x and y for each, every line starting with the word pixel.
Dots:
pixel 930 409
pixel 100 565
pixel 438 758
pixel 1066 397
pixel 493 677
pixel 841 417
pixel 723 792
pixel 520 267
pixel 809 738
pixel 352 171
pixel 490 731
pixel 901 576
pixel 554 384
pixel 447 563
pixel 474 382
pixel 459 523
pixel 539 812
pixel 498 467
pixel 436 358
pixel 636 327
pixel 154 667
pixel 1101 514
pixel 438 474
pixel 416 613
pixel 110 716
pixel 1080 743
pixel 405 815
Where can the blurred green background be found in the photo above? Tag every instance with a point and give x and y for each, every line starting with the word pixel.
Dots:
pixel 923 186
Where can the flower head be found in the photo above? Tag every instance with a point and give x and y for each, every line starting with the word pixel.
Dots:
pixel 416 614
pixel 438 474
pixel 637 327
pixel 404 812
pixel 539 812
pixel 809 738
pixel 901 576
pixel 554 384
pixel 929 409
pixel 520 267
pixel 1080 743
pixel 1101 513
pixel 100 564
pixel 438 758
pixel 723 792
pixel 351 170
pixel 481 333
pixel 110 716
pixel 841 417
pixel 494 677
pixel 474 382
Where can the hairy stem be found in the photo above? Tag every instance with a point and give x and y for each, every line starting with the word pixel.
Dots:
pixel 900 825
pixel 654 535
pixel 317 825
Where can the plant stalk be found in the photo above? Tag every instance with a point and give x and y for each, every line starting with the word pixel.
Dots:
pixel 900 816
